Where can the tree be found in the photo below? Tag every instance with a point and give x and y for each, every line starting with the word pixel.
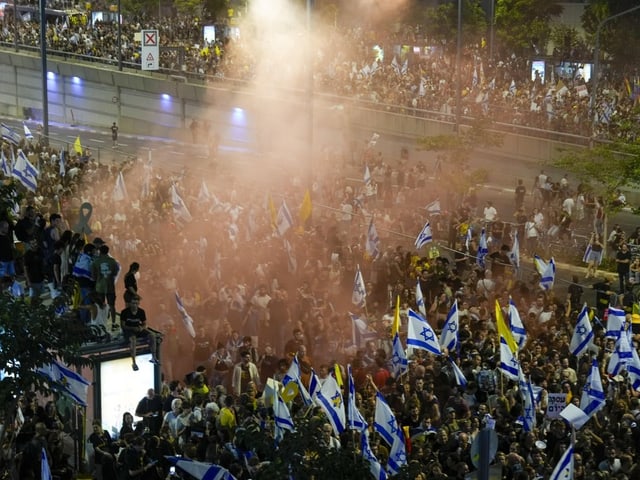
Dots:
pixel 443 23
pixel 216 10
pixel 522 26
pixel 619 38
pixel 188 7
pixel 455 153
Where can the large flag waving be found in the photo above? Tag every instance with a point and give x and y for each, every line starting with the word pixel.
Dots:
pixel 425 236
pixel 582 334
pixel 372 245
pixel 6 167
pixel 25 172
pixel 374 465
pixel 119 189
pixel 67 380
pixel 546 270
pixel 483 249
pixel 282 418
pixel 27 133
pixel 449 335
pixel 517 327
pixel 186 318
pixel 201 470
pixel 422 308
pixel 359 294
pixel 421 335
pixel 399 357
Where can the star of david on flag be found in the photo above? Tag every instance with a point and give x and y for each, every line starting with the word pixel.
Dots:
pixel 421 335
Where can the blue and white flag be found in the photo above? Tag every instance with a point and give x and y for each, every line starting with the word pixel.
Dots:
pixel 27 133
pixel 517 327
pixel 582 334
pixel 621 356
pixel 547 272
pixel 395 65
pixel 355 420
pixel 593 397
pixel 372 245
pixel 514 253
pixel 421 335
pixel 360 332
pixel 359 294
pixel 45 470
pixel 330 400
pixel 9 134
pixel 180 210
pixel 70 382
pixel 282 418
pixel 284 220
pixel 186 318
pixel 25 172
pixel 397 455
pixel 615 323
pixel 292 263
pixel 6 168
pixel 564 468
pixel 367 176
pixel 633 369
pixel 434 207
pixel 509 364
pixel 449 334
pixel 399 361
pixel 314 384
pixel 385 422
pixel 374 465
pixel 200 470
pixel 293 375
pixel 512 87
pixel 461 380
pixel 425 236
pixel 62 167
pixel 483 249
pixel 528 402
pixel 119 189
pixel 422 308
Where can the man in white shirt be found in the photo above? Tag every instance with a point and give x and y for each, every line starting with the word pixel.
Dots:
pixel 490 212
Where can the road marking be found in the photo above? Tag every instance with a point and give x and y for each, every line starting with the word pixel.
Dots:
pixel 96 140
pixel 177 153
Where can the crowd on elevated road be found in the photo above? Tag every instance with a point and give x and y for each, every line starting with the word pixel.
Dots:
pixel 346 64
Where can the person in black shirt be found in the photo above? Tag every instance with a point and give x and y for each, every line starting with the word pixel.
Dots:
pixel 131 283
pixel 134 326
pixel 104 448
pixel 575 294
pixel 623 262
pixel 150 409
pixel 521 192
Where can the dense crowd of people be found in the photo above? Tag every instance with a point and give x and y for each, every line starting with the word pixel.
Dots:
pixel 350 62
pixel 258 306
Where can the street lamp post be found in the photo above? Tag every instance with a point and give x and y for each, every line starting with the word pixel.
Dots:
pixel 119 38
pixel 309 163
pixel 458 67
pixel 43 61
pixel 596 62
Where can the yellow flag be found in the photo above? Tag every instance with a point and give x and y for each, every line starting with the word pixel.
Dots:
pixel 272 211
pixel 504 330
pixel 395 327
pixel 306 207
pixel 77 146
pixel 338 374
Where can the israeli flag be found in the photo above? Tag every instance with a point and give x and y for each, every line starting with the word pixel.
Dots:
pixel 284 220
pixel 367 176
pixel 434 207
pixel 528 402
pixel 330 400
pixel 355 419
pixel 62 167
pixel 621 356
pixel 483 249
pixel 359 294
pixel 6 168
pixel 387 426
pixel 119 189
pixel 203 194
pixel 633 369
pixel 374 465
pixel 25 172
pixel 517 327
pixel 180 210
pixel 615 323
pixel 372 245
pixel 547 272
pixel 399 361
pixel 200 470
pixel 420 300
pixel 70 382
pixel 282 418
pixel 514 254
pixel 9 134
pixel 564 468
pixel 425 236
pixel 593 397
pixel 509 364
pixel 449 335
pixel 186 318
pixel 421 335
pixel 461 380
pixel 582 334
pixel 27 133
pixel 45 470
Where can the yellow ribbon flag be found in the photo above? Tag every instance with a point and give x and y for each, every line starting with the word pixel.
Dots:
pixel 338 373
pixel 272 211
pixel 395 326
pixel 306 208
pixel 504 330
pixel 77 146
